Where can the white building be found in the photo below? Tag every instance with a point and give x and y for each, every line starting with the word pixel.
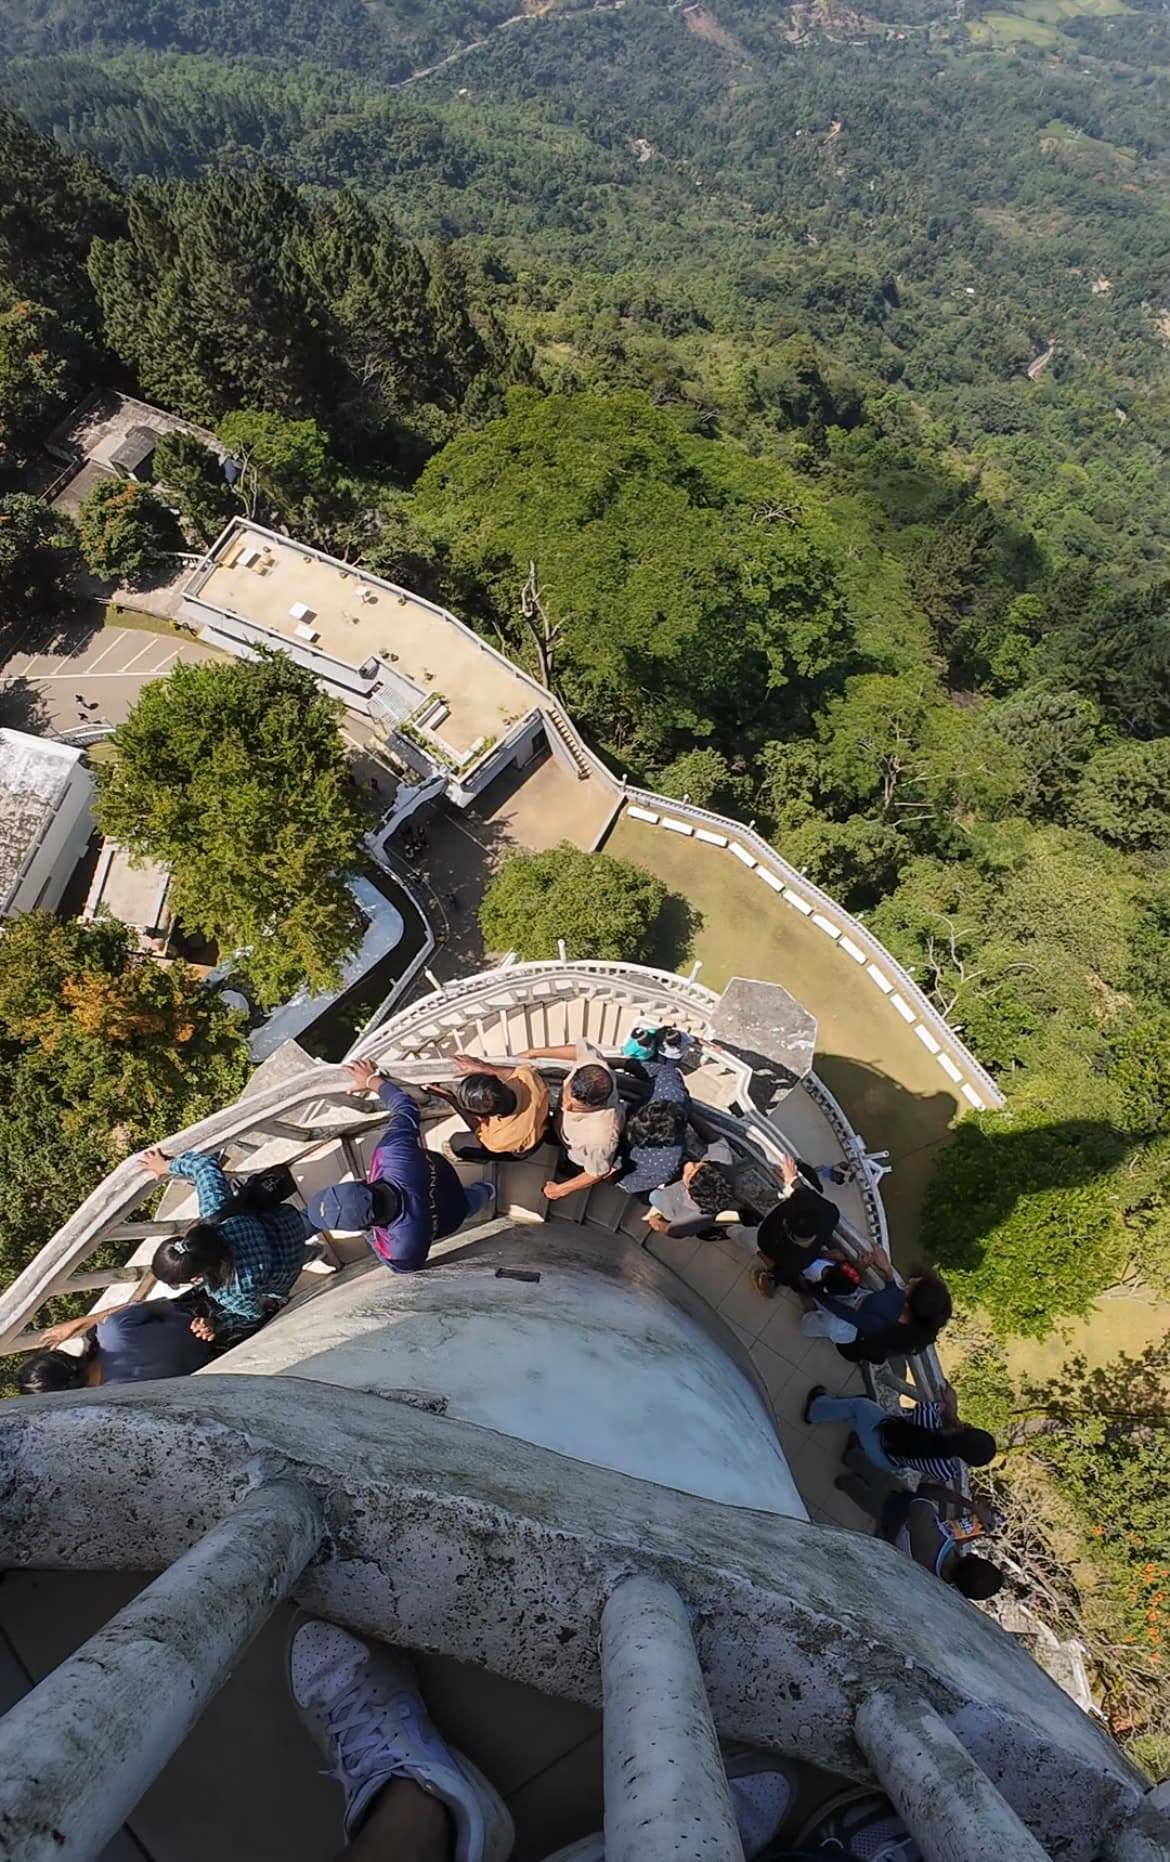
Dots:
pixel 45 820
pixel 452 709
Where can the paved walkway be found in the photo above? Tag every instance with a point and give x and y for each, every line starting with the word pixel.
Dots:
pixel 535 808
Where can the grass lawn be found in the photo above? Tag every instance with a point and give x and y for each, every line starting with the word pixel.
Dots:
pixel 893 1091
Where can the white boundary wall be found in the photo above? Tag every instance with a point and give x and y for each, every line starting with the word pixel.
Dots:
pixel 857 945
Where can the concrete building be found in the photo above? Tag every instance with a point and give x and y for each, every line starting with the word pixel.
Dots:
pixel 137 893
pixel 448 705
pixel 45 820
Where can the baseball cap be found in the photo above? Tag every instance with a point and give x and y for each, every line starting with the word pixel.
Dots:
pixel 353 1206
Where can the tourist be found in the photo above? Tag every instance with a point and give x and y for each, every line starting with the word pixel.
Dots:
pixel 506 1107
pixel 412 1198
pixel 892 1442
pixel 656 1130
pixel 705 1190
pixel 913 1524
pixel 410 1797
pixel 796 1231
pixel 897 1320
pixel 245 1260
pixel 129 1344
pixel 589 1122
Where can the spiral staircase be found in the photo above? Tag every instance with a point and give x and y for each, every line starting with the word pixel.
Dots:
pixel 566 1462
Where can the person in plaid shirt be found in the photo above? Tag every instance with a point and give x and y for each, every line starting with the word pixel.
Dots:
pixel 246 1262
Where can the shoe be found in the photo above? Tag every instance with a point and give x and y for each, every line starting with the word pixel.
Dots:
pixel 816 1391
pixel 763 1282
pixel 362 1705
pixel 762 1793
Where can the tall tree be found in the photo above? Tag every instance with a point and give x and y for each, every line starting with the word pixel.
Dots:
pixel 126 532
pixel 1125 794
pixel 38 554
pixel 51 206
pixel 235 777
pixel 690 586
pixel 602 907
pixel 192 476
pixel 282 462
pixel 206 297
pixel 101 1051
pixel 38 374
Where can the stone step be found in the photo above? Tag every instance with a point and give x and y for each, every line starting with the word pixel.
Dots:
pixel 520 1190
pixel 608 1206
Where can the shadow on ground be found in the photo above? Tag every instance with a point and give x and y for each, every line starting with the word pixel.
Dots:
pixel 453 873
pixel 673 941
pixel 990 1170
pixel 22 707
pixel 67 632
pixel 912 1127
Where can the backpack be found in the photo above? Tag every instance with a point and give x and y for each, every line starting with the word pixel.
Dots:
pixel 264 1190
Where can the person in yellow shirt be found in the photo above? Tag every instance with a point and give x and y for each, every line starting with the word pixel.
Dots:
pixel 507 1108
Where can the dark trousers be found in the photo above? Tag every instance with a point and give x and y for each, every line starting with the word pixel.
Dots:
pixel 469 1152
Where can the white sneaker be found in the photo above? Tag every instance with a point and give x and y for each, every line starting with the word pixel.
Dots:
pixel 362 1705
pixel 762 1793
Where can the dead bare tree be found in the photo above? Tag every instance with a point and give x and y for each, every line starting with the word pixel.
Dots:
pixel 543 632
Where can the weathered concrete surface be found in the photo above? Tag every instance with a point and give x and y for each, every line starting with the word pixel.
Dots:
pixel 78 1752
pixel 602 1354
pixel 769 1029
pixel 452 1537
pixel 665 1786
pixel 954 1810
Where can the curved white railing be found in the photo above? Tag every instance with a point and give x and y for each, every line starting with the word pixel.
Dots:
pixel 763 856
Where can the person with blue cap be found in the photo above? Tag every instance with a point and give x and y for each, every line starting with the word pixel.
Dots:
pixel 413 1197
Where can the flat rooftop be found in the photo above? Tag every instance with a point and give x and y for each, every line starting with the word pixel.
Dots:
pixel 134 894
pixel 426 655
pixel 34 775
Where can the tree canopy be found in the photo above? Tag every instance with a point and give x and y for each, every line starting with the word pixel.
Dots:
pixel 101 1051
pixel 38 373
pixel 125 530
pixel 686 585
pixel 235 777
pixel 600 906
pixel 38 553
pixel 191 476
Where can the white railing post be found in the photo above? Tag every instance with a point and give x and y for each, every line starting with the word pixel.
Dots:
pixel 79 1751
pixel 948 1804
pixel 665 1787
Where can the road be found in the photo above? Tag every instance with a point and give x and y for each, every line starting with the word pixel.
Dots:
pixel 108 667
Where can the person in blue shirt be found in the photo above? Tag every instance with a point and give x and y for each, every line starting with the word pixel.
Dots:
pixel 897 1320
pixel 127 1345
pixel 246 1261
pixel 412 1198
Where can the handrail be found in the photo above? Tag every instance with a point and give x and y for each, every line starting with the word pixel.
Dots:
pixel 128 1185
pixel 510 985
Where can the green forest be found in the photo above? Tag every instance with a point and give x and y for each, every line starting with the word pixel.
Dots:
pixel 817 362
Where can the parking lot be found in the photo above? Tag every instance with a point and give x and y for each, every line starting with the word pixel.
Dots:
pixel 43 680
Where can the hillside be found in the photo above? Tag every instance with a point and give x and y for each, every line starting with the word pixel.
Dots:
pixel 722 318
pixel 937 213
